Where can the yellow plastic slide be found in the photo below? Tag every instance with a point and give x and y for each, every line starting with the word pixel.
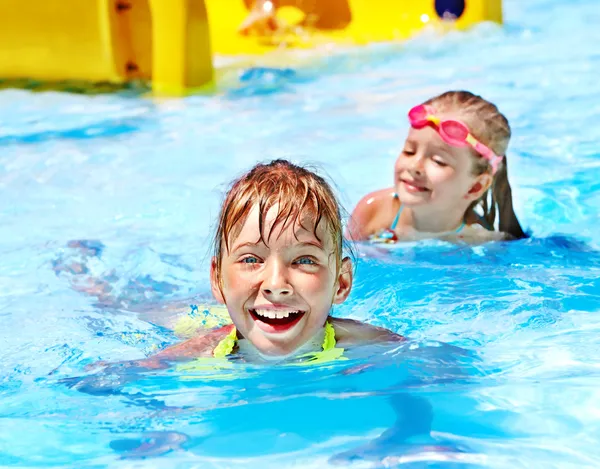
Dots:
pixel 170 42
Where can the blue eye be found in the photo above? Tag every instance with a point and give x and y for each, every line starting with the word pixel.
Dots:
pixel 305 261
pixel 249 260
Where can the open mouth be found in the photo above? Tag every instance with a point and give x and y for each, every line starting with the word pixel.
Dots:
pixel 276 320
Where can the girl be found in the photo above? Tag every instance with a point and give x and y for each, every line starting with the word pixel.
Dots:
pixel 450 180
pixel 278 268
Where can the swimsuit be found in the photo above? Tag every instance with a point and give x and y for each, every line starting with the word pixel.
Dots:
pixel 225 348
pixel 388 235
pixel 329 352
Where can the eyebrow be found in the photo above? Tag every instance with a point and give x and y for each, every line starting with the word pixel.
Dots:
pixel 247 244
pixel 316 244
pixel 311 243
pixel 443 152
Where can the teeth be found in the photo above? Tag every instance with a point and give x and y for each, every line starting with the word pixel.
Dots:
pixel 269 313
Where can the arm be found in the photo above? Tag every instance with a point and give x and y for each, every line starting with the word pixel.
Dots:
pixel 477 234
pixel 414 414
pixel 114 376
pixel 200 346
pixel 413 404
pixel 414 417
pixel 350 331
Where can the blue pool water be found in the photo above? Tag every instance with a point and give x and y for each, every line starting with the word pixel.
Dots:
pixel 504 362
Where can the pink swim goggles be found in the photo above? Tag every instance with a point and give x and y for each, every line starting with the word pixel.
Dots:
pixel 453 132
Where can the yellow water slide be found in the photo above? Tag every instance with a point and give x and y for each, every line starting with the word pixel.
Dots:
pixel 170 44
pixel 352 22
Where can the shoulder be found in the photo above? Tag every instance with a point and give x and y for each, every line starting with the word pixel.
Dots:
pixel 376 198
pixel 474 220
pixel 199 346
pixel 350 331
pixel 478 230
pixel 365 216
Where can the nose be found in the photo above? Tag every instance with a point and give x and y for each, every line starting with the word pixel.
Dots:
pixel 416 165
pixel 276 283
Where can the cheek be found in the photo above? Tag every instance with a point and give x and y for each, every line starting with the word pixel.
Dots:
pixel 228 279
pixel 441 175
pixel 309 283
pixel 235 283
pixel 314 285
pixel 452 184
pixel 399 164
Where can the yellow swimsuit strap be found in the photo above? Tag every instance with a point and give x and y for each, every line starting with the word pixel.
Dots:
pixel 225 347
pixel 329 352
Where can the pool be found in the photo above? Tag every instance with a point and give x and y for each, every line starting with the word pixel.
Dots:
pixel 504 358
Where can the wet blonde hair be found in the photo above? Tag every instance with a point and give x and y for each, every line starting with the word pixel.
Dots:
pixel 490 127
pixel 301 196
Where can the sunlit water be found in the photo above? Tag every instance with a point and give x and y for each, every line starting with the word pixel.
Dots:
pixel 504 359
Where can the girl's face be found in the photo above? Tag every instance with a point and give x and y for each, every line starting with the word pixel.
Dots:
pixel 429 172
pixel 279 291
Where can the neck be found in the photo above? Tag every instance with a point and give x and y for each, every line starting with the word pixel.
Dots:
pixel 426 220
pixel 314 344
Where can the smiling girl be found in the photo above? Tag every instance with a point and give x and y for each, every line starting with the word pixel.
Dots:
pixel 278 267
pixel 450 180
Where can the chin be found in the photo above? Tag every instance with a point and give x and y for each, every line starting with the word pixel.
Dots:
pixel 412 200
pixel 275 344
pixel 272 349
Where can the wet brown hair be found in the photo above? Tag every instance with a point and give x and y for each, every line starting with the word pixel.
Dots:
pixel 490 127
pixel 299 193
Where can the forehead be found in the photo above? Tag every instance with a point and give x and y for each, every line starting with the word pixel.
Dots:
pixel 274 229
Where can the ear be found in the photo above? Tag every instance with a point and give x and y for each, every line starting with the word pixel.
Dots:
pixel 481 184
pixel 344 282
pixel 215 285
